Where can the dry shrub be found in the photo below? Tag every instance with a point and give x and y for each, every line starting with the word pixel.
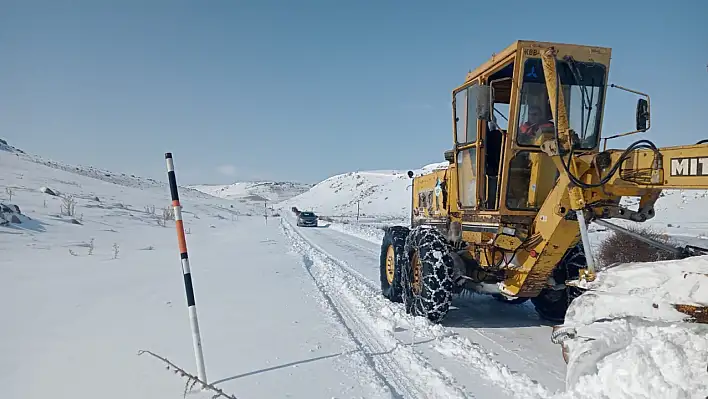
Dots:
pixel 168 213
pixel 620 247
pixel 68 206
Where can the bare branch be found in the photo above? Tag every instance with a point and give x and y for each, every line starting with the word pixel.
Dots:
pixel 190 378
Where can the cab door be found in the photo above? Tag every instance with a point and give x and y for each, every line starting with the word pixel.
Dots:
pixel 467 127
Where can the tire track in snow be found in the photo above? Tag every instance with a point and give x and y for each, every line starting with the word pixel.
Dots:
pixel 308 262
pixel 344 248
pixel 475 362
pixel 405 373
pixel 520 348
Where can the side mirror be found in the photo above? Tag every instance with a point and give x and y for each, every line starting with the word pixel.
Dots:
pixel 642 114
pixel 450 156
pixel 484 97
pixel 410 174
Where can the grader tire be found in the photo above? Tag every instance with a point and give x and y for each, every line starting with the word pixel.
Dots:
pixel 427 279
pixel 552 304
pixel 392 260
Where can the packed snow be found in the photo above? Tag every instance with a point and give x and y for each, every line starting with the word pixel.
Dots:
pixel 94 276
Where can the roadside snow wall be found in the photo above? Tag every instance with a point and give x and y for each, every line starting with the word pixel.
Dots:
pixel 631 342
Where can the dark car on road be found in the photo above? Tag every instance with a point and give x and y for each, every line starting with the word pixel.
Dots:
pixel 306 218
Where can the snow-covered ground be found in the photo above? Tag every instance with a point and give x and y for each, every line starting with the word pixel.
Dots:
pixel 296 312
pixel 85 293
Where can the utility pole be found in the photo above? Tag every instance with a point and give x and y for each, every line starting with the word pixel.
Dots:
pixel 357 210
pixel 265 211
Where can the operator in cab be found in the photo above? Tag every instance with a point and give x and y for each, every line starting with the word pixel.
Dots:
pixel 538 122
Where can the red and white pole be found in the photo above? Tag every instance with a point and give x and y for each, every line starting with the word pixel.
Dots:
pixel 189 289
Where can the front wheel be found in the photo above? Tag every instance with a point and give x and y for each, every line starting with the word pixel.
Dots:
pixel 427 279
pixel 552 304
pixel 392 260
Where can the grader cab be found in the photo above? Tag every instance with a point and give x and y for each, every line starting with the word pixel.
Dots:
pixel 508 217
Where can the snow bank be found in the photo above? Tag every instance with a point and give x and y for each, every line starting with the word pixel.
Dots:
pixel 630 342
pixel 633 358
pixel 369 232
pixel 644 290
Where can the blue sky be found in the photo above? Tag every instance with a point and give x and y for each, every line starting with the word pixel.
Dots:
pixel 302 90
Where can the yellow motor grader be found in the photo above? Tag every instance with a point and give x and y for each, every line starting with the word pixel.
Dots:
pixel 508 217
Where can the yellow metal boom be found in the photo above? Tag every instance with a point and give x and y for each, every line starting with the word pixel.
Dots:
pixel 591 186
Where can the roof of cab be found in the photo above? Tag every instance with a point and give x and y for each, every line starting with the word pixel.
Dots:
pixel 512 48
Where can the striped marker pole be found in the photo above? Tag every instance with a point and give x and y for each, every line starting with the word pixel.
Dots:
pixel 182 241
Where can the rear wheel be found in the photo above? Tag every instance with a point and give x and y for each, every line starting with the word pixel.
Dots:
pixel 552 304
pixel 427 279
pixel 392 260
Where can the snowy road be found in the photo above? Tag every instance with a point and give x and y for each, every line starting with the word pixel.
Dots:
pixel 482 348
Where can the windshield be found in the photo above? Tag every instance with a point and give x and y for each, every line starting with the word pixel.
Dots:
pixel 307 214
pixel 583 86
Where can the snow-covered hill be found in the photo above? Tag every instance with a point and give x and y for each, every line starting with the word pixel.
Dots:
pixel 254 191
pixel 379 194
pixel 121 179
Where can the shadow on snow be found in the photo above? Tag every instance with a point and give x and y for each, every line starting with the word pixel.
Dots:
pixel 314 359
pixel 483 311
